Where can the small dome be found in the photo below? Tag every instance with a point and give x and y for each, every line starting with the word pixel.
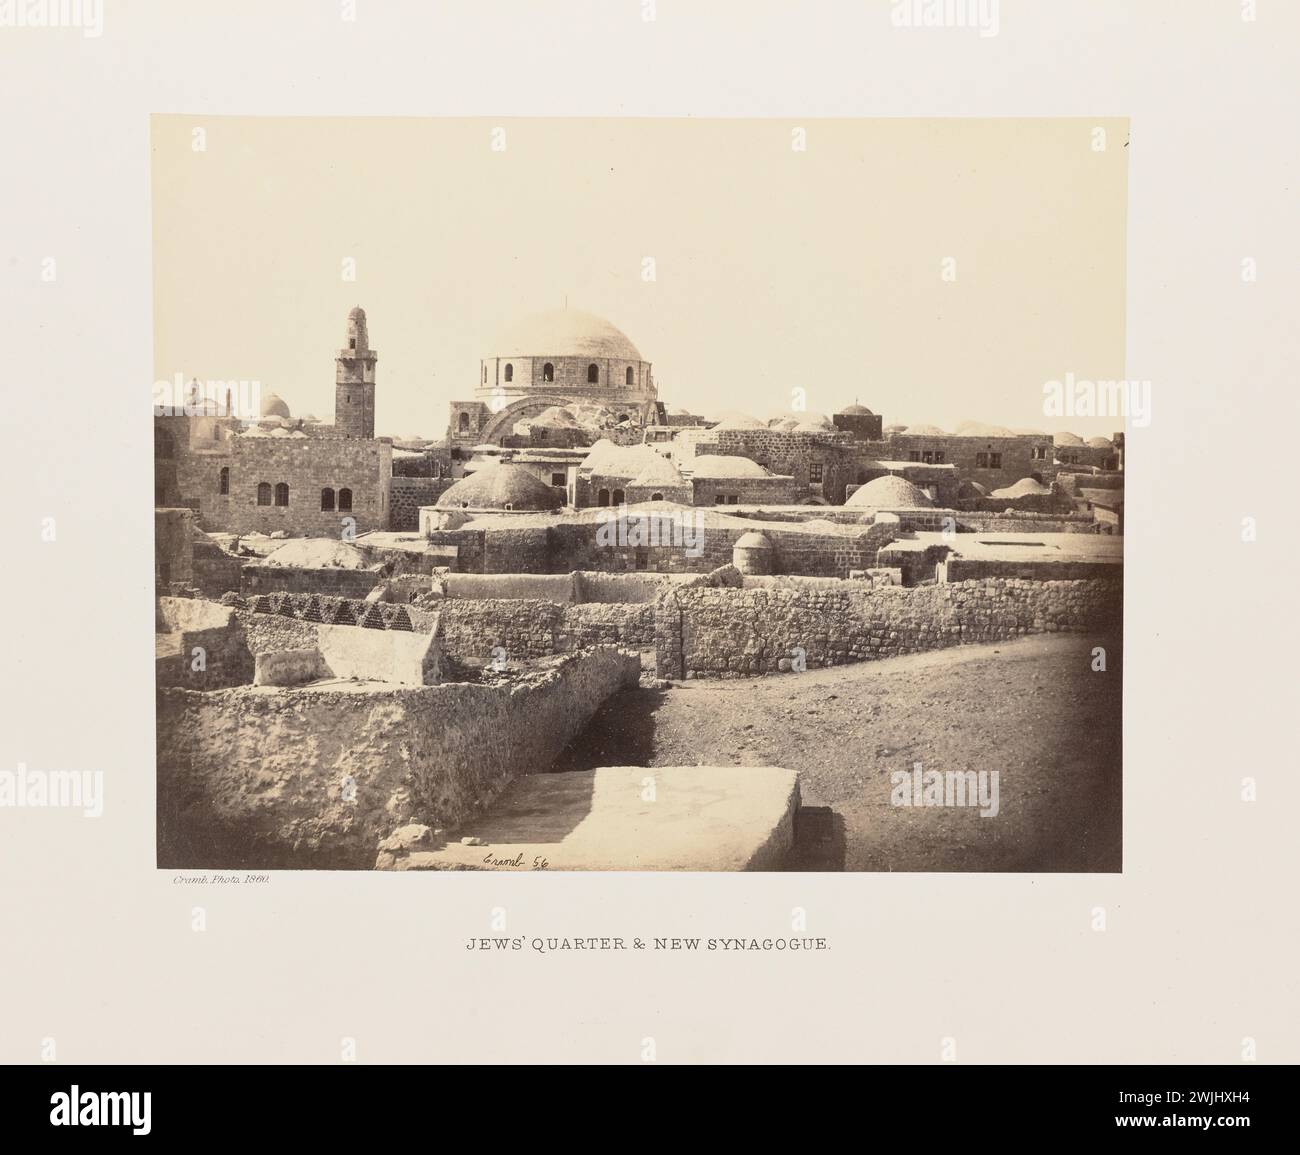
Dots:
pixel 889 492
pixel 925 431
pixel 310 419
pixel 814 424
pixel 660 471
pixel 979 429
pixel 785 424
pixel 1066 439
pixel 716 465
pixel 500 487
pixel 740 421
pixel 273 406
pixel 617 461
pixel 752 540
pixel 1099 443
pixel 856 410
pixel 971 489
pixel 1025 487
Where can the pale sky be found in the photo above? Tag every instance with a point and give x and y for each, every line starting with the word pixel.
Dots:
pixel 775 269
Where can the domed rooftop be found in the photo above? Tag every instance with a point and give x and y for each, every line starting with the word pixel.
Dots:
pixel 740 421
pixel 889 492
pixel 856 410
pixel 1099 443
pixel 753 540
pixel 720 465
pixel 925 430
pixel 273 406
pixel 1025 487
pixel 1066 439
pixel 979 429
pixel 618 461
pixel 785 424
pixel 971 489
pixel 565 332
pixel 814 424
pixel 660 471
pixel 500 486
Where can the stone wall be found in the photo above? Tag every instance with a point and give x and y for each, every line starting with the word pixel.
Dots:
pixel 526 629
pixel 703 632
pixel 409 494
pixel 257 777
pixel 289 621
pixel 335 580
pixel 215 571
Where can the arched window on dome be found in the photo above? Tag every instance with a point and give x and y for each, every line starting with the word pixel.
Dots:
pixel 223 481
pixel 282 493
pixel 620 498
pixel 602 498
pixel 510 372
pixel 629 374
pixel 327 500
pixel 263 493
pixel 593 374
pixel 463 422
pixel 548 372
pixel 345 501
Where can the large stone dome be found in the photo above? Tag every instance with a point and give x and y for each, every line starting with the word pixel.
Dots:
pixel 501 486
pixel 889 492
pixel 273 405
pixel 565 332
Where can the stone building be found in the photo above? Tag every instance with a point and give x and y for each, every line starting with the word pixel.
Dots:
pixel 555 360
pixel 281 475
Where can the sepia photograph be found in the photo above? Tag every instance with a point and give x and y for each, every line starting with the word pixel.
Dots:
pixel 709 495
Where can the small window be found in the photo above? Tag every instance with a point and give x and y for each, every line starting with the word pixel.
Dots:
pixel 345 500
pixel 602 498
pixel 995 461
pixel 981 461
pixel 815 472
pixel 558 480
pixel 223 481
pixel 938 456
pixel 593 374
pixel 263 493
pixel 548 372
pixel 927 457
pixel 352 342
pixel 656 497
pixel 629 374
pixel 619 497
pixel 509 505
pixel 733 499
pixel 510 372
pixel 719 500
pixel 327 499
pixel 463 422
pixel 282 493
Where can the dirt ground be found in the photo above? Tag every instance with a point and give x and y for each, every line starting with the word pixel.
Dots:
pixel 1033 710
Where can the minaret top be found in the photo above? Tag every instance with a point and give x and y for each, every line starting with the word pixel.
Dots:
pixel 358 338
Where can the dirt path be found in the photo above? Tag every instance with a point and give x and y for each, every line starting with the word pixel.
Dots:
pixel 1033 710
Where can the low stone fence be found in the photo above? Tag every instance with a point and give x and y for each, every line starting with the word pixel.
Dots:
pixel 259 777
pixel 711 632
pixel 332 580
pixel 531 628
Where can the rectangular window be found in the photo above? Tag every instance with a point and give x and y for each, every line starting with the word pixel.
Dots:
pixel 557 479
pixel 814 473
pixel 938 457
pixel 733 499
pixel 719 500
pixel 995 461
pixel 981 461
pixel 927 457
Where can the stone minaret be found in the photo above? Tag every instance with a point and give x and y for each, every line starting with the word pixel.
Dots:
pixel 354 381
